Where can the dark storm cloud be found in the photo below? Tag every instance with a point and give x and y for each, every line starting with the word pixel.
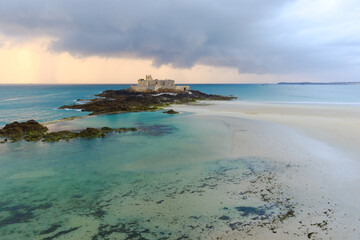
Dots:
pixel 247 34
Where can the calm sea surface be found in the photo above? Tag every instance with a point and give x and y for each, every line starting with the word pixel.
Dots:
pixel 170 180
pixel 40 102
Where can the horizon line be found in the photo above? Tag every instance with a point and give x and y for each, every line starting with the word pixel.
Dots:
pixel 121 83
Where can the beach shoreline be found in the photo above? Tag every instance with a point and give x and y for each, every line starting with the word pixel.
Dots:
pixel 318 142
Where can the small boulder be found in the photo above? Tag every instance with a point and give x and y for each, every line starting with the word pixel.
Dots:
pixel 171 112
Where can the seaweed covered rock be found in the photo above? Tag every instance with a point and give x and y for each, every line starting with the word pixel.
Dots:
pixel 114 101
pixel 61 135
pixel 92 133
pixel 33 131
pixel 30 131
pixel 17 128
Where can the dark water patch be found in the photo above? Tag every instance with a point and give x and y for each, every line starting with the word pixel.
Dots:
pixel 224 217
pixel 15 208
pixel 235 225
pixel 77 196
pixel 104 231
pixel 61 233
pixel 246 211
pixel 51 229
pixel 155 130
pixel 21 213
pixel 98 213
pixel 17 217
pixel 26 207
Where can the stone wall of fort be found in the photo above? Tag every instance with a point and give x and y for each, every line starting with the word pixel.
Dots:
pixel 149 84
pixel 182 88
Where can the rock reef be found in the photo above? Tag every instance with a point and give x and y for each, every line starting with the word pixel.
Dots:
pixel 115 101
pixel 32 131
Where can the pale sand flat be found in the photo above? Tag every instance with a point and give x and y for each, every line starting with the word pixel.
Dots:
pixel 320 141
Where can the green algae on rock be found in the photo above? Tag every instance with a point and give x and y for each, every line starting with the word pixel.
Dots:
pixel 32 131
pixel 115 101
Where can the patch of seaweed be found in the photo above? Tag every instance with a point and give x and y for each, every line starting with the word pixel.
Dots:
pixel 61 233
pixel 21 213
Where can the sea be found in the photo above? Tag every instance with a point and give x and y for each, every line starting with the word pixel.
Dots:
pixel 41 102
pixel 169 180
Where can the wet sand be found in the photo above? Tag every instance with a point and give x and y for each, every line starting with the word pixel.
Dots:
pixel 317 147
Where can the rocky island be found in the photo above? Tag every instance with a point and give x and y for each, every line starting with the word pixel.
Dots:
pixel 116 101
pixel 148 95
pixel 32 131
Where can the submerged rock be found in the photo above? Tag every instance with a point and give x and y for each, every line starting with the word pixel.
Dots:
pixel 92 133
pixel 57 136
pixel 171 112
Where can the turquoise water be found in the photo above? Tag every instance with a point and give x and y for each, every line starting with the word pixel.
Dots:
pixel 167 181
pixel 40 102
pixel 173 179
pixel 286 93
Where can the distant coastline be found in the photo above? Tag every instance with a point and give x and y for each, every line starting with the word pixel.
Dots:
pixel 319 83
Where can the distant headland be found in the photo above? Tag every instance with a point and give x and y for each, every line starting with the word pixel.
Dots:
pixel 319 83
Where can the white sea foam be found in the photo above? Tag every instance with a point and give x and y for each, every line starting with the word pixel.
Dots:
pixel 158 94
pixel 68 109
pixel 15 99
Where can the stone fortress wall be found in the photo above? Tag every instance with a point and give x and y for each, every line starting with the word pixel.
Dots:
pixel 149 84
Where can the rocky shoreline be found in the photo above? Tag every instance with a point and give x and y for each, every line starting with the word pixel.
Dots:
pixel 32 131
pixel 107 102
pixel 115 101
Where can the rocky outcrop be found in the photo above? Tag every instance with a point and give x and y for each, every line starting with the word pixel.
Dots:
pixel 16 131
pixel 171 112
pixel 32 131
pixel 115 101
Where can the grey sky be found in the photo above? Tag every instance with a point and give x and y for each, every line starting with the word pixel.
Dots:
pixel 254 36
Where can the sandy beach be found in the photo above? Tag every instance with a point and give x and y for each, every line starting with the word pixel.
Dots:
pixel 317 146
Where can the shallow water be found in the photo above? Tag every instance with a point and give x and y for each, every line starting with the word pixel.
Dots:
pixel 175 178
pixel 41 102
pixel 171 179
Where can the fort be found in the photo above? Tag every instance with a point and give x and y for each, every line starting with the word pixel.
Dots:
pixel 150 85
